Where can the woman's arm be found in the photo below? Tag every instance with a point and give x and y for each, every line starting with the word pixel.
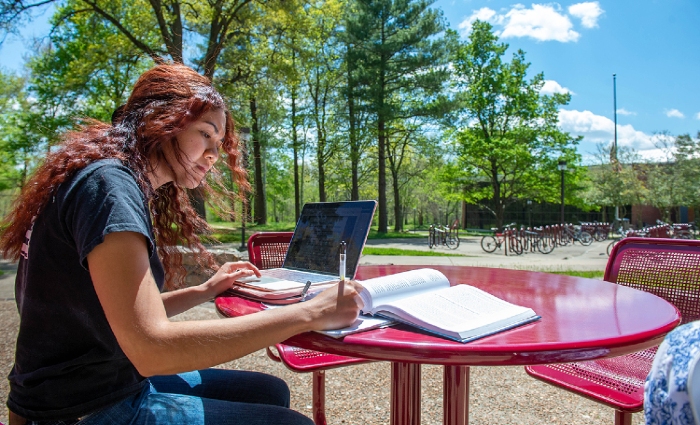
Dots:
pixel 136 313
pixel 181 300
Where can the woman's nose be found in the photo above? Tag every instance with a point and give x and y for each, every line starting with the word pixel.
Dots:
pixel 212 154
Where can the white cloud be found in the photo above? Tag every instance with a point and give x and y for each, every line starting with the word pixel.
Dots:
pixel 674 113
pixel 550 87
pixel 588 12
pixel 599 129
pixel 484 14
pixel 541 22
pixel 697 116
pixel 623 111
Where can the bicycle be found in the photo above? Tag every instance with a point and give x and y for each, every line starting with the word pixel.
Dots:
pixel 541 241
pixel 678 230
pixel 570 235
pixel 489 243
pixel 599 231
pixel 443 235
pixel 627 234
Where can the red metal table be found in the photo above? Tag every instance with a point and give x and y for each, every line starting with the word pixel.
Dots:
pixel 582 319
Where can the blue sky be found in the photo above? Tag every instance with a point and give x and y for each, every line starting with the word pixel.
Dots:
pixel 651 45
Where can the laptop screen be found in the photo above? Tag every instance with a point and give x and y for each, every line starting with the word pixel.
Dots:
pixel 315 245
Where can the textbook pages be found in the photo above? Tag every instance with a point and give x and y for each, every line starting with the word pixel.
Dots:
pixel 424 298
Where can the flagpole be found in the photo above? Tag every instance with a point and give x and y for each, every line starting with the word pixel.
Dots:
pixel 614 152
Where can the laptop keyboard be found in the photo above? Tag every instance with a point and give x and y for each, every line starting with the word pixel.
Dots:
pixel 297 276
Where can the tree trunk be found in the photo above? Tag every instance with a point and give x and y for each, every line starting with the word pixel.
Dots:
pixel 354 147
pixel 295 149
pixel 398 212
pixel 259 206
pixel 170 29
pixel 321 146
pixel 381 140
pixel 497 203
pixel 295 146
pixel 381 187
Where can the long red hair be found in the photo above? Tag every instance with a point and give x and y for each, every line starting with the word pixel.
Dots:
pixel 165 100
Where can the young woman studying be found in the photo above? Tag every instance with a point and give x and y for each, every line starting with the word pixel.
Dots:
pixel 94 231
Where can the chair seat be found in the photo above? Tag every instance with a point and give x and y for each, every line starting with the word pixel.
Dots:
pixel 617 382
pixel 303 360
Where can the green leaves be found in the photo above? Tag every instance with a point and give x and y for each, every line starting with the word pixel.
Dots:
pixel 509 142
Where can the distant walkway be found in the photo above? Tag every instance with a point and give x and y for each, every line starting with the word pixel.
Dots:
pixel 576 257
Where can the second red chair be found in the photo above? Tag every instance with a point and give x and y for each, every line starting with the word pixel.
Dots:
pixel 267 250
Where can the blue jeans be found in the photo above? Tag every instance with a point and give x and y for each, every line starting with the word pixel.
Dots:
pixel 210 396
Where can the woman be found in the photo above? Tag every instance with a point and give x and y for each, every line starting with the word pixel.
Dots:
pixel 666 398
pixel 95 344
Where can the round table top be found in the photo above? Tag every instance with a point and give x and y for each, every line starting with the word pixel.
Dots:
pixel 581 319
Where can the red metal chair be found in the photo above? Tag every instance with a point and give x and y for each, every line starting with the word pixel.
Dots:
pixel 267 250
pixel 667 268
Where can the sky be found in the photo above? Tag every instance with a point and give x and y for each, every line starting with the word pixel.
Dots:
pixel 652 47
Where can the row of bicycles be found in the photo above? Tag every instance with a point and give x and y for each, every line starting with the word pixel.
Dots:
pixel 546 238
pixel 539 239
pixel 443 235
pixel 660 230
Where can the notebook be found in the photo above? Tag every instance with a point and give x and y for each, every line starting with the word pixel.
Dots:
pixel 314 250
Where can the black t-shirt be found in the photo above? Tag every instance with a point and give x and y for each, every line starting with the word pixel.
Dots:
pixel 68 362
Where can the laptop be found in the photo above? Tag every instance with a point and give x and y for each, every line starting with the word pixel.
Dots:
pixel 314 250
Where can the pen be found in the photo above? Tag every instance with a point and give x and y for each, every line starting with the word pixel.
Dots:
pixel 341 285
pixel 305 290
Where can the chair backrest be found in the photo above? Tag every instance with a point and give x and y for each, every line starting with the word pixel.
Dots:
pixel 267 250
pixel 668 268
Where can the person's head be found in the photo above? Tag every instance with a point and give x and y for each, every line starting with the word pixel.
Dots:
pixel 170 132
pixel 178 123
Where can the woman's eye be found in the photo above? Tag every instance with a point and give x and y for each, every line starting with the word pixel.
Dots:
pixel 206 135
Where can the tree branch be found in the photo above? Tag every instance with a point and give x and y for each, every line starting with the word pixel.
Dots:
pixel 140 45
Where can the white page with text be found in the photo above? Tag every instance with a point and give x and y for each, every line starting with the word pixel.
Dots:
pixel 386 289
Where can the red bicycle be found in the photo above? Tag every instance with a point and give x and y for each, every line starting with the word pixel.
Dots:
pixel 490 243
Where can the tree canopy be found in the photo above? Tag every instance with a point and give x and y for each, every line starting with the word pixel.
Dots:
pixel 508 144
pixel 343 99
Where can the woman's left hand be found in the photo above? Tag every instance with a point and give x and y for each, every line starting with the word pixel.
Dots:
pixel 227 275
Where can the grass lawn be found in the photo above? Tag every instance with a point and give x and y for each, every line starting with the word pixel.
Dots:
pixel 590 274
pixel 230 232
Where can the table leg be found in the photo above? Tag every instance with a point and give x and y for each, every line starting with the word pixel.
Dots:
pixel 405 394
pixel 455 395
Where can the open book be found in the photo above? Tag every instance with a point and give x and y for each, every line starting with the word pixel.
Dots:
pixel 424 298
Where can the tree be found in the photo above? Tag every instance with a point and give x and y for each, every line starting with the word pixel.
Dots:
pixel 216 22
pixel 14 114
pixel 137 20
pixel 671 182
pixel 687 159
pixel 615 183
pixel 398 55
pixel 509 143
pixel 322 77
pixel 403 145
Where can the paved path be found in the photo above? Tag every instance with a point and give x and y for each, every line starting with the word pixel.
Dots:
pixel 576 257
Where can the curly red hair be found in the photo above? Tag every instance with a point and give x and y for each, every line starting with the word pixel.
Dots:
pixel 165 100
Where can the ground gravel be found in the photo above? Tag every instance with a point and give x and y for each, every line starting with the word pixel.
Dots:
pixel 360 394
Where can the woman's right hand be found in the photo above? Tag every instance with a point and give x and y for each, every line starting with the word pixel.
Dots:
pixel 332 310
